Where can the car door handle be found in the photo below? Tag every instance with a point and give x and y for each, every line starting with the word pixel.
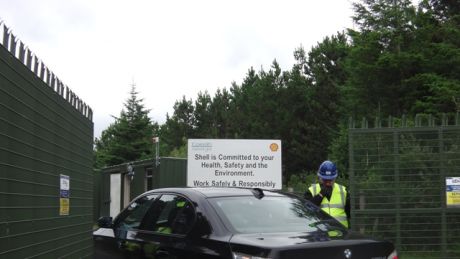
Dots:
pixel 121 244
pixel 162 253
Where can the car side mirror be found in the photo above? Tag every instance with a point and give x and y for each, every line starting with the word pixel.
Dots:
pixel 105 222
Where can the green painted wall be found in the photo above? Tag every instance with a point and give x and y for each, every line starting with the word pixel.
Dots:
pixel 44 132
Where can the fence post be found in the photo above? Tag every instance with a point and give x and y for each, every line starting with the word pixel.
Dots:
pixel 22 52
pixel 397 187
pixel 6 37
pixel 351 123
pixel 364 123
pixel 417 120
pixel 377 122
pixel 351 175
pixel 13 45
pixel 444 120
pixel 29 60
pixel 443 194
pixel 36 63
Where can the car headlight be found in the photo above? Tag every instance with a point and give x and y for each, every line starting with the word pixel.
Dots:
pixel 393 255
pixel 245 256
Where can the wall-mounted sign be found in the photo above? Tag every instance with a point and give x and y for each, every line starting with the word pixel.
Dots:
pixel 64 206
pixel 64 195
pixel 453 192
pixel 246 163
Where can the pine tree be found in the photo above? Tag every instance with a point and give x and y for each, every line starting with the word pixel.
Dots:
pixel 129 138
pixel 380 59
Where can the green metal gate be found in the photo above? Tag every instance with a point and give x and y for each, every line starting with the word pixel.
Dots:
pixel 398 183
pixel 46 140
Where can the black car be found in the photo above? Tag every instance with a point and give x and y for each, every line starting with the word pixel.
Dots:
pixel 229 223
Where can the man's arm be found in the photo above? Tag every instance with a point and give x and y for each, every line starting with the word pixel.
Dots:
pixel 317 199
pixel 347 207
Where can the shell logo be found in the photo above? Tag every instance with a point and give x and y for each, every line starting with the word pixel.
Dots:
pixel 274 147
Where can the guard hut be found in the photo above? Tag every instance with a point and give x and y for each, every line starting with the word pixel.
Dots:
pixel 119 184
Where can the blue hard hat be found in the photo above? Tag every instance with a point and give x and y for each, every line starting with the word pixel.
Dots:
pixel 327 170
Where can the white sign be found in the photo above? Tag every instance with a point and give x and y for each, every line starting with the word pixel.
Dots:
pixel 65 182
pixel 64 186
pixel 245 163
pixel 453 191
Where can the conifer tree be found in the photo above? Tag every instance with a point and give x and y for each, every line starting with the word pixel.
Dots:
pixel 129 138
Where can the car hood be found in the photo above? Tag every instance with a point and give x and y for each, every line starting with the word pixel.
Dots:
pixel 315 244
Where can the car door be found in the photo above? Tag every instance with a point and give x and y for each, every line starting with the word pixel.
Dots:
pixel 176 231
pixel 165 226
pixel 121 239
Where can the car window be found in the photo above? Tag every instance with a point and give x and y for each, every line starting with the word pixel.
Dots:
pixel 171 214
pixel 269 215
pixel 132 216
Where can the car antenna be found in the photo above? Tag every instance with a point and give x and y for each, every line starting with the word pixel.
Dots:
pixel 258 193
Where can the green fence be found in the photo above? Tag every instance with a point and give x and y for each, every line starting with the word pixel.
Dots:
pixel 398 182
pixel 46 134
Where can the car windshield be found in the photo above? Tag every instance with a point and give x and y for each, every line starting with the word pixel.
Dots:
pixel 248 214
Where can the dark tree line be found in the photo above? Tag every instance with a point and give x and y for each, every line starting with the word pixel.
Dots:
pixel 399 59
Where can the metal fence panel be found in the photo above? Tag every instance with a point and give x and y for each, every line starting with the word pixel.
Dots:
pixel 173 172
pixel 397 178
pixel 42 136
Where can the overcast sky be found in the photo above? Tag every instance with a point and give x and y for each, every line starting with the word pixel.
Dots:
pixel 169 48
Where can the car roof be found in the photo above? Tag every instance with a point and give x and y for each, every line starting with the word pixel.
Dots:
pixel 210 192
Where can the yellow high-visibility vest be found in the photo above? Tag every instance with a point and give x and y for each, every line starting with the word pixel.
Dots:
pixel 336 206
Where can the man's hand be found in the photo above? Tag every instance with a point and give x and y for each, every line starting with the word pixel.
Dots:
pixel 326 190
pixel 307 195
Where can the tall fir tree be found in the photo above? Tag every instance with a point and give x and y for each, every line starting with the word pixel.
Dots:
pixel 380 59
pixel 129 138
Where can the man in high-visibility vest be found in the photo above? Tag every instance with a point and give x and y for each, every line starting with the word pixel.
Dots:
pixel 330 196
